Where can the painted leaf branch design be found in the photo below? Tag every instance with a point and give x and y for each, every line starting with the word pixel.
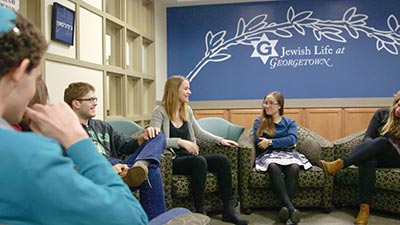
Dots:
pixel 351 23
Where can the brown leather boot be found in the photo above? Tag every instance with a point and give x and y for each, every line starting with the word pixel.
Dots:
pixel 135 175
pixel 363 215
pixel 331 168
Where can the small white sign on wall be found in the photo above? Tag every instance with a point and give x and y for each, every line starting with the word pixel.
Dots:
pixel 11 4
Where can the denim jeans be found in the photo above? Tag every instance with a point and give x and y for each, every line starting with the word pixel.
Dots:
pixel 167 216
pixel 369 155
pixel 151 191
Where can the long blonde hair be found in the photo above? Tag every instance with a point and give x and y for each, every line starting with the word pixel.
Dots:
pixel 170 99
pixel 393 123
pixel 266 121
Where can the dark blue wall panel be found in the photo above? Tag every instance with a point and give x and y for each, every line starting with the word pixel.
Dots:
pixel 353 46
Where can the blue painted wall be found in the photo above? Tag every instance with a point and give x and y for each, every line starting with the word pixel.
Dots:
pixel 305 49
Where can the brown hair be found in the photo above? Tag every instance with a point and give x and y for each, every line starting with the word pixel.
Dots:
pixel 76 90
pixel 170 99
pixel 393 123
pixel 27 43
pixel 41 97
pixel 266 121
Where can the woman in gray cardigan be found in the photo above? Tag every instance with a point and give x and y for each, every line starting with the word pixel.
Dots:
pixel 176 120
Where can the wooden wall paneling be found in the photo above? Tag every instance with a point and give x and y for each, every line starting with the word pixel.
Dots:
pixel 244 117
pixel 296 114
pixel 200 113
pixel 356 119
pixel 326 122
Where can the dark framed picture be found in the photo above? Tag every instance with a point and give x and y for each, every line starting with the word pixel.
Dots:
pixel 62 24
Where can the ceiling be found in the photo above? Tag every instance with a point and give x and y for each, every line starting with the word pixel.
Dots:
pixel 171 3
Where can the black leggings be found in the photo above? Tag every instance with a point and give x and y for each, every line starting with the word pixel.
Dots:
pixel 285 181
pixel 197 166
pixel 369 155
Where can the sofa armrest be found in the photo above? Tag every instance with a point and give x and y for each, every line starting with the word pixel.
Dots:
pixel 344 145
pixel 327 150
pixel 230 152
pixel 166 172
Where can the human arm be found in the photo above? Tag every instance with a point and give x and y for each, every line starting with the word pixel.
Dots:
pixel 150 132
pixel 377 121
pixel 56 121
pixel 95 195
pixel 159 119
pixel 261 142
pixel 198 132
pixel 226 142
pixel 286 134
pixel 119 168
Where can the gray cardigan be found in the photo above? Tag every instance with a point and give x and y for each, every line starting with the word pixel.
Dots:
pixel 161 120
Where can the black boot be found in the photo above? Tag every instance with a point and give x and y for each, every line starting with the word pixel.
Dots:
pixel 202 211
pixel 229 214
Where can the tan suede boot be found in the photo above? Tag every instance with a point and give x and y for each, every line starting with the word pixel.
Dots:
pixel 363 215
pixel 331 168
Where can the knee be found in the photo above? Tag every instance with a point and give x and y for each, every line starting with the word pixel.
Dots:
pixel 294 168
pixel 223 159
pixel 274 167
pixel 199 164
pixel 161 138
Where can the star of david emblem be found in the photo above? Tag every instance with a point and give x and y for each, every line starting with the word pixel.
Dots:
pixel 264 48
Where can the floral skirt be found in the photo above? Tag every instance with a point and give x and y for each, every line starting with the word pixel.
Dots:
pixel 281 157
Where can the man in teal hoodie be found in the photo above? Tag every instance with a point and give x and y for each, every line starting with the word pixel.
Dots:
pixel 38 182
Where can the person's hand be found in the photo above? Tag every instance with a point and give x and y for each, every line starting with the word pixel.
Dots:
pixel 120 168
pixel 56 121
pixel 264 143
pixel 189 146
pixel 226 142
pixel 150 132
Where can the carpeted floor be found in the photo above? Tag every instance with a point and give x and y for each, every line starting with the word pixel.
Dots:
pixel 343 216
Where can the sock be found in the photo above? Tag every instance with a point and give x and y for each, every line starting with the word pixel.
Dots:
pixel 141 162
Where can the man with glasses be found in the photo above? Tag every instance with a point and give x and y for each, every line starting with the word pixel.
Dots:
pixel 144 151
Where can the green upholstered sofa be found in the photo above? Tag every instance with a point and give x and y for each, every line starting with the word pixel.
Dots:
pixel 180 190
pixel 221 127
pixel 387 195
pixel 125 126
pixel 176 187
pixel 315 187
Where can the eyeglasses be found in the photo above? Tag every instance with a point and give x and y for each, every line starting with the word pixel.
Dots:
pixel 265 104
pixel 91 100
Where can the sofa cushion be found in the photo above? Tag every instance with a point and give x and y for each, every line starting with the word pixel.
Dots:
pixel 311 149
pixel 387 179
pixel 313 177
pixel 181 184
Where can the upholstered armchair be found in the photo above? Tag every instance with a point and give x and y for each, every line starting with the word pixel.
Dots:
pixel 125 126
pixel 221 127
pixel 180 189
pixel 315 187
pixel 387 194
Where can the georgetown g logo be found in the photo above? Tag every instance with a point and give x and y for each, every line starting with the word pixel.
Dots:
pixel 264 48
